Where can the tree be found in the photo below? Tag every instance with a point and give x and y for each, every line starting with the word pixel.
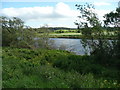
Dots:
pixel 88 19
pixel 92 29
pixel 113 18
pixel 9 29
pixel 14 33
pixel 43 40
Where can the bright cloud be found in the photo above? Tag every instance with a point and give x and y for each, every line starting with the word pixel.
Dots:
pixel 101 3
pixel 60 11
pixel 60 15
pixel 101 13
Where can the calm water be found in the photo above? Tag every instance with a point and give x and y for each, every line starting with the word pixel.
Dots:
pixel 73 45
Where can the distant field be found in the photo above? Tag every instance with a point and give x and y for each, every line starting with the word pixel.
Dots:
pixel 77 34
pixel 66 34
pixel 65 31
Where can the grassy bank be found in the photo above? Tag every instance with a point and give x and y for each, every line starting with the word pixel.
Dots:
pixel 26 68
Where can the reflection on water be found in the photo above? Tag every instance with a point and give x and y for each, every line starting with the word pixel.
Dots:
pixel 73 45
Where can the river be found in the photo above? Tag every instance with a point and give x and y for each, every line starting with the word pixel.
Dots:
pixel 72 45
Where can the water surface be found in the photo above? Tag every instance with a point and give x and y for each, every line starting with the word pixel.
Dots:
pixel 73 45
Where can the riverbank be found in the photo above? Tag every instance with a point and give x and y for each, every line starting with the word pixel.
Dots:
pixel 41 68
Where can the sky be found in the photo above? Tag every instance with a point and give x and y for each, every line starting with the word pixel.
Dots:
pixel 57 13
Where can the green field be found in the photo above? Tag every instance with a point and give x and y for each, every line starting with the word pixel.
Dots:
pixel 75 34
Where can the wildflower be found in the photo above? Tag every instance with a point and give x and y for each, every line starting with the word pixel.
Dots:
pixel 105 80
pixel 114 83
pixel 50 77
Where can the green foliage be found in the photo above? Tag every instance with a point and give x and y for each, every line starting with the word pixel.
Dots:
pixel 26 68
pixel 103 50
pixel 15 34
pixel 113 18
pixel 42 39
pixel 90 19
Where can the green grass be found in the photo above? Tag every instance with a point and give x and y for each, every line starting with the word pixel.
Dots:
pixel 26 68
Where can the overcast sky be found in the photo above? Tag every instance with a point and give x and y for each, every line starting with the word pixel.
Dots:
pixel 55 14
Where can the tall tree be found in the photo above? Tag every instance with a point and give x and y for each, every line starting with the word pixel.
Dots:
pixel 92 29
pixel 113 19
